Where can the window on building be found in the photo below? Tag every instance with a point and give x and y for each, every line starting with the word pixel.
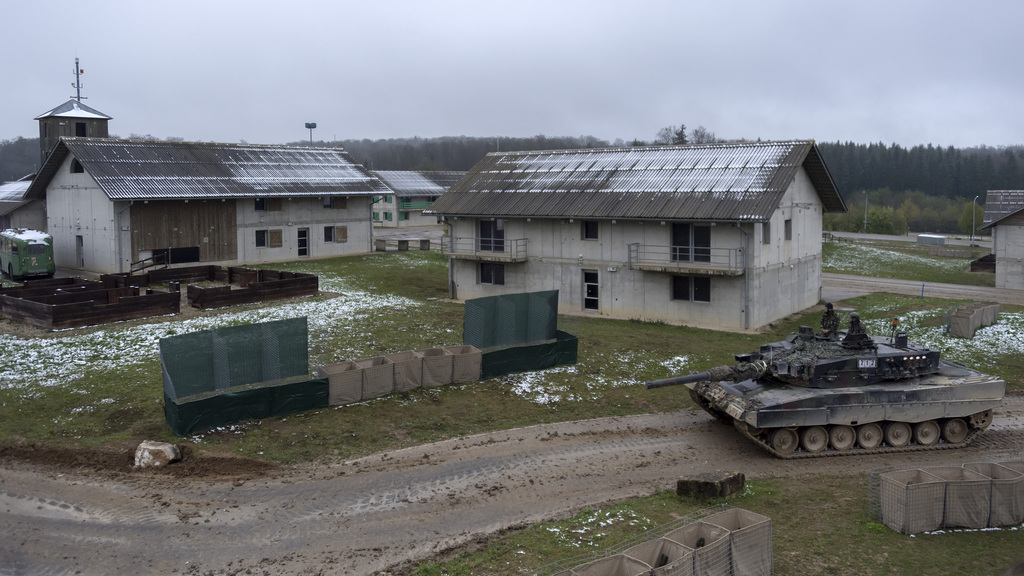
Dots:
pixel 766 233
pixel 789 229
pixel 691 288
pixel 591 290
pixel 492 235
pixel 335 202
pixel 76 167
pixel 328 233
pixel 260 204
pixel 492 273
pixel 691 243
pixel 273 238
pixel 589 230
pixel 80 129
pixel 403 216
pixel 376 216
pixel 388 216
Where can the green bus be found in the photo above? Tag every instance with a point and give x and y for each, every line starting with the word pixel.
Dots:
pixel 26 253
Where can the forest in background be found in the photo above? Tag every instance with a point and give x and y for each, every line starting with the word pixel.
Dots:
pixel 922 189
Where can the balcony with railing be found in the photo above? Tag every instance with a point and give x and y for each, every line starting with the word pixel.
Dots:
pixel 484 249
pixel 687 259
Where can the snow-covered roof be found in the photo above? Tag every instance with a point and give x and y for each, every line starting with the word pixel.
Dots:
pixel 73 109
pixel 724 182
pixel 147 170
pixel 30 236
pixel 410 183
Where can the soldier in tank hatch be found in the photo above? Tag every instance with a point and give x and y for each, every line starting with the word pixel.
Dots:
pixel 829 321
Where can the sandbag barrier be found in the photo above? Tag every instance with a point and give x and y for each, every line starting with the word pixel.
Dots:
pixel 357 380
pixel 719 541
pixel 975 495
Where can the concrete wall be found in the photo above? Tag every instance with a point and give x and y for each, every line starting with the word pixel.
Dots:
pixel 308 213
pixel 76 206
pixel 1008 246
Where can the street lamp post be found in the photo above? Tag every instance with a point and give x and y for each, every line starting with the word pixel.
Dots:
pixel 865 211
pixel 974 204
pixel 310 125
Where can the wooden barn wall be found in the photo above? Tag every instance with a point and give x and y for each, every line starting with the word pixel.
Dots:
pixel 209 224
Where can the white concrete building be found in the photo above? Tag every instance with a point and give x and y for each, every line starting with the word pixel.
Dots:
pixel 1004 215
pixel 723 236
pixel 117 205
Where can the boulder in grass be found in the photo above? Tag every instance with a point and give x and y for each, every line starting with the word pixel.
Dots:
pixel 151 454
pixel 711 485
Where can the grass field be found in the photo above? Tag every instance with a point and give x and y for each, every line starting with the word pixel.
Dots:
pixel 101 388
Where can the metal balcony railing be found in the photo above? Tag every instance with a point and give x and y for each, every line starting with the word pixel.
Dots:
pixel 728 261
pixel 403 205
pixel 494 249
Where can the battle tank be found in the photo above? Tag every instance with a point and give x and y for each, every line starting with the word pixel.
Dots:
pixel 811 395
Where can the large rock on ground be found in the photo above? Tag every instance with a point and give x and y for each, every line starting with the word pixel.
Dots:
pixel 711 485
pixel 151 454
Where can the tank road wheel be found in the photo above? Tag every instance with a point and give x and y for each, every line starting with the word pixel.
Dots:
pixel 813 439
pixel 869 436
pixel 897 434
pixel 926 433
pixel 842 437
pixel 954 431
pixel 784 441
pixel 981 420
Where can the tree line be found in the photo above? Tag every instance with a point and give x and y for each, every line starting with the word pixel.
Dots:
pixel 923 188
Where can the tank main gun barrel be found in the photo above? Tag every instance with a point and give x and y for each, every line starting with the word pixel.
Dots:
pixel 737 373
pixel 678 380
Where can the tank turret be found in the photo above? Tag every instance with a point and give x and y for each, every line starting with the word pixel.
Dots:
pixel 813 394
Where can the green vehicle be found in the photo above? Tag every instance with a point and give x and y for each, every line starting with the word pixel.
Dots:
pixel 26 253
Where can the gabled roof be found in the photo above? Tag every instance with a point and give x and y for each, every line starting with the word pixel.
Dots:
pixel 1001 204
pixel 147 170
pixel 74 109
pixel 733 182
pixel 408 183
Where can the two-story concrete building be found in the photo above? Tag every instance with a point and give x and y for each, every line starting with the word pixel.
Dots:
pixel 111 203
pixel 721 236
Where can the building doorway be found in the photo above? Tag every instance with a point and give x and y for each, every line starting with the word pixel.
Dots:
pixel 591 291
pixel 302 243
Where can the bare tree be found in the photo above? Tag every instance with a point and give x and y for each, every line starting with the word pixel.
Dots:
pixel 702 135
pixel 672 135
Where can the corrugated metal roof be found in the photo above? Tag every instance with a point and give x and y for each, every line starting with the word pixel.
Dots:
pixel 742 181
pixel 14 191
pixel 1001 204
pixel 408 183
pixel 145 170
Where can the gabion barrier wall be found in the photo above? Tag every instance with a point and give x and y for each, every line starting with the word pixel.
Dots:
pixel 719 541
pixel 359 380
pixel 974 495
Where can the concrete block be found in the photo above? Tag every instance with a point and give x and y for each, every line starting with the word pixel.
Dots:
pixel 711 485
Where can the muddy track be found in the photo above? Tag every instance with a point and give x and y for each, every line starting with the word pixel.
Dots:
pixel 389 509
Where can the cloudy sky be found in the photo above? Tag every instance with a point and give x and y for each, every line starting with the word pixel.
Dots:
pixel 945 72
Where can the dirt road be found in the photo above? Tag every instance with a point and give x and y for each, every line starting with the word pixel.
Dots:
pixel 372 514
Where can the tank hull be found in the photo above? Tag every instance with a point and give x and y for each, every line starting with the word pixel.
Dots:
pixel 955 397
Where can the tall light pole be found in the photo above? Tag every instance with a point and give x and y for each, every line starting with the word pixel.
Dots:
pixel 974 204
pixel 865 211
pixel 310 125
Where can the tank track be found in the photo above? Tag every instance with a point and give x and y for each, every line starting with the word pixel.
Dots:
pixel 855 450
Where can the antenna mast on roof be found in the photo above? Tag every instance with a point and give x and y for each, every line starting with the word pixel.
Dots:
pixel 78 83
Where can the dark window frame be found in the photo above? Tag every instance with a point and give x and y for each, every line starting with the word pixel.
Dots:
pixel 691 288
pixel 492 273
pixel 589 230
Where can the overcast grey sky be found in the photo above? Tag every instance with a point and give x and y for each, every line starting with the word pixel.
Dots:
pixel 945 72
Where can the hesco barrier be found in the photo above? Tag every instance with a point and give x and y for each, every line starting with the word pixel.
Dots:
pixel 721 541
pixel 974 495
pixel 218 377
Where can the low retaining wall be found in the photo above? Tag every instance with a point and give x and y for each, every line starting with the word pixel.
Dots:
pixel 256 286
pixel 85 303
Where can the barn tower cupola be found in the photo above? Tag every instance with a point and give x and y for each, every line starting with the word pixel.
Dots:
pixel 70 119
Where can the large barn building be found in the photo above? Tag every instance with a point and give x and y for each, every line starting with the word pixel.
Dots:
pixel 721 236
pixel 112 204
